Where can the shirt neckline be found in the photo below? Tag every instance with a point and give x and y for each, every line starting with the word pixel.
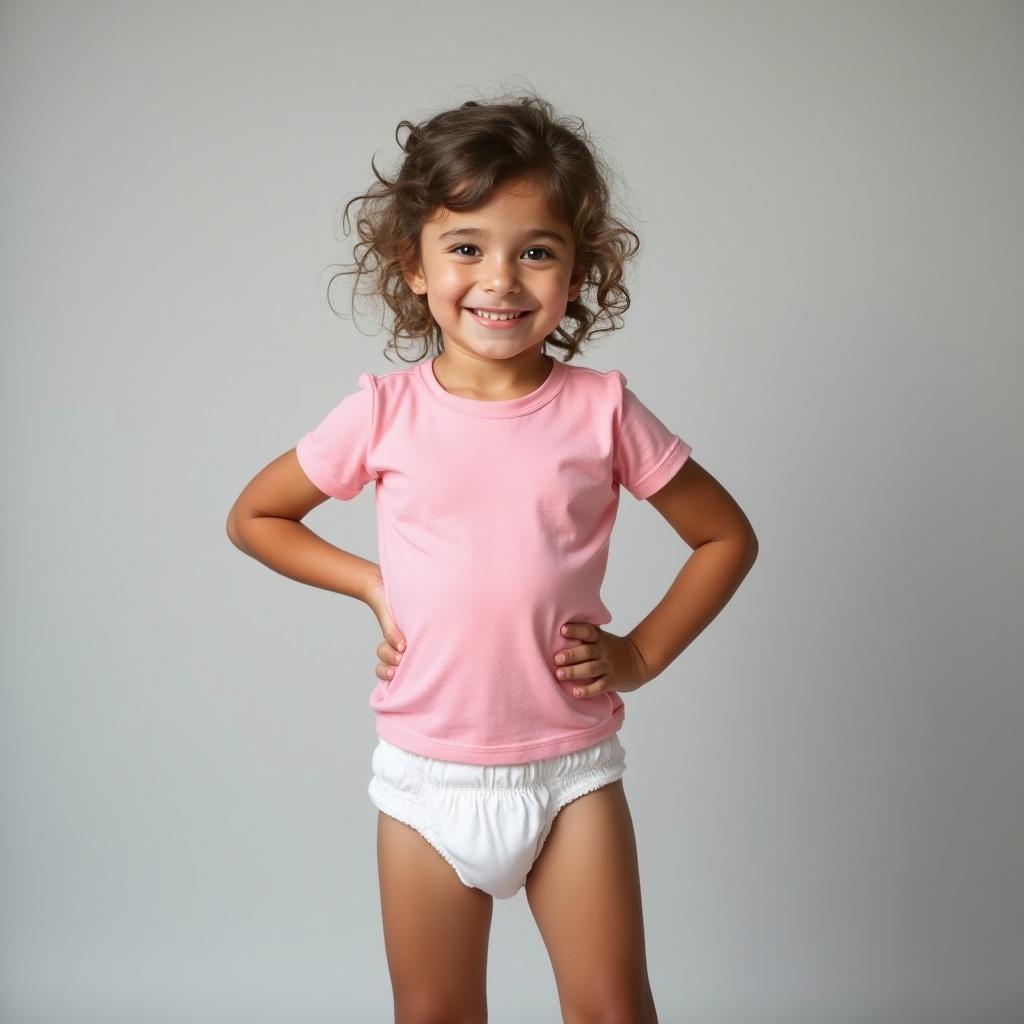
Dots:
pixel 497 409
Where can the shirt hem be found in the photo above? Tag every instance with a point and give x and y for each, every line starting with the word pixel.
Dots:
pixel 317 472
pixel 515 753
pixel 659 475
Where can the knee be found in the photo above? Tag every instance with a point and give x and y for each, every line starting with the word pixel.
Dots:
pixel 624 1010
pixel 428 1010
pixel 628 1015
pixel 624 1015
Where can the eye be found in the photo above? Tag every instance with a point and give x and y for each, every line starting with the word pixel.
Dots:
pixel 533 248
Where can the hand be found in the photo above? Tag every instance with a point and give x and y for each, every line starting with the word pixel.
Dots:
pixel 612 662
pixel 389 650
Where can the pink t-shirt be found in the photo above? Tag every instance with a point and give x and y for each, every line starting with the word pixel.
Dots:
pixel 494 521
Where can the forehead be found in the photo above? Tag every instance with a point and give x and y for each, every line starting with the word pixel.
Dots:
pixel 521 203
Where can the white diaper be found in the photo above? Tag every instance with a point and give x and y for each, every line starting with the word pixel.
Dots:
pixel 488 821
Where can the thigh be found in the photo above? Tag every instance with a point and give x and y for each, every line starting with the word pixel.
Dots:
pixel 436 929
pixel 584 893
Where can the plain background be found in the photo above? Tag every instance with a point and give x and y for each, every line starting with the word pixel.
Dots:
pixel 826 786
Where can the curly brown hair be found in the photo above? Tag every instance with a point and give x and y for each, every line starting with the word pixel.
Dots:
pixel 457 159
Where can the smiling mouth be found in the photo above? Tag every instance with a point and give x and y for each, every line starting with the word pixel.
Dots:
pixel 498 317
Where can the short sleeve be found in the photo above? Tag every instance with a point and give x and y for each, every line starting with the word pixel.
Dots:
pixel 334 453
pixel 647 454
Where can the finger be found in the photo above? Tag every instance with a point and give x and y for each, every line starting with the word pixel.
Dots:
pixel 387 654
pixel 590 690
pixel 384 671
pixel 584 630
pixel 393 641
pixel 581 652
pixel 583 670
pixel 567 668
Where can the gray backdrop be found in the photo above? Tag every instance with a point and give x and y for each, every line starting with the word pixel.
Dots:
pixel 826 786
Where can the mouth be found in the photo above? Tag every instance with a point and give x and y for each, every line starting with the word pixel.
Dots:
pixel 498 318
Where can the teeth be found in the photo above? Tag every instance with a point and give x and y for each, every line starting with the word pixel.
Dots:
pixel 496 316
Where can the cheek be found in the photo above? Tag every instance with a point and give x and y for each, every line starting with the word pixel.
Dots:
pixel 450 285
pixel 556 289
pixel 441 293
pixel 556 299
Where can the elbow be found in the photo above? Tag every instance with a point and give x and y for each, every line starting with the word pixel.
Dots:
pixel 752 549
pixel 744 543
pixel 232 529
pixel 748 539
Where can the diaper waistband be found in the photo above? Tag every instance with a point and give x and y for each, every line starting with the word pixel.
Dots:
pixel 389 759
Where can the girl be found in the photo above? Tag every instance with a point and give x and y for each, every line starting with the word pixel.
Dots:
pixel 497 470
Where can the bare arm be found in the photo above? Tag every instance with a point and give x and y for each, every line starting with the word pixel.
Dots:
pixel 724 546
pixel 264 522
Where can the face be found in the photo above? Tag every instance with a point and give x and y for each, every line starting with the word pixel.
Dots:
pixel 510 253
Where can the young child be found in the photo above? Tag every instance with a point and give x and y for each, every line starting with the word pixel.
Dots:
pixel 497 470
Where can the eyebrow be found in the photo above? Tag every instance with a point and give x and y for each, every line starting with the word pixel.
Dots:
pixel 471 232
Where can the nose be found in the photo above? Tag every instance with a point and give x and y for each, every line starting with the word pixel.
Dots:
pixel 499 276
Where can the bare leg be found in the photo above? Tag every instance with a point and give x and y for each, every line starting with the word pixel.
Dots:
pixel 584 892
pixel 436 931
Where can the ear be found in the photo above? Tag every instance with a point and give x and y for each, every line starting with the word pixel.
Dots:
pixel 412 269
pixel 416 281
pixel 579 273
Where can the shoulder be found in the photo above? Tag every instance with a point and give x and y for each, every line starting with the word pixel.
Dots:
pixel 602 393
pixel 392 389
pixel 607 384
pixel 394 380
